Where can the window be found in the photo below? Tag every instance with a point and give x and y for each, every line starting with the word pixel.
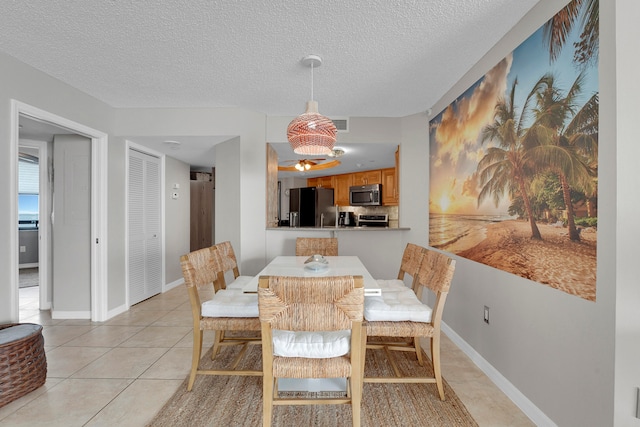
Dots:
pixel 28 190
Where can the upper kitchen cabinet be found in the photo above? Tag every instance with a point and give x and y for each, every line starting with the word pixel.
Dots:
pixel 389 187
pixel 367 177
pixel 321 181
pixel 341 184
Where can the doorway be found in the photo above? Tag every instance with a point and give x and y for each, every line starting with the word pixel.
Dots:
pixel 144 224
pixel 33 225
pixel 98 310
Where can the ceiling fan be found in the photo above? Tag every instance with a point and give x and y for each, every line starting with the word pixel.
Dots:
pixel 303 165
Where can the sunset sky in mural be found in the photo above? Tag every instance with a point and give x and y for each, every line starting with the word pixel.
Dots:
pixel 455 132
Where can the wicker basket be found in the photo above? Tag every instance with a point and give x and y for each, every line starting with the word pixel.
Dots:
pixel 23 365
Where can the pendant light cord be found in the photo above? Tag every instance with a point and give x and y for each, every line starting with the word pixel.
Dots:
pixel 312 81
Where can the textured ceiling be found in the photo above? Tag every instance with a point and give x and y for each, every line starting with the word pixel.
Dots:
pixel 382 58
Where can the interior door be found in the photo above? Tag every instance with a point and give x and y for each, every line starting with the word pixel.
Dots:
pixel 145 242
pixel 71 233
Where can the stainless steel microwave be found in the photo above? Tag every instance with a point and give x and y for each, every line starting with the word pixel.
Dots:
pixel 365 195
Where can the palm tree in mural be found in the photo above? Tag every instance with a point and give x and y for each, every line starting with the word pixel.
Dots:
pixel 563 139
pixel 558 28
pixel 506 168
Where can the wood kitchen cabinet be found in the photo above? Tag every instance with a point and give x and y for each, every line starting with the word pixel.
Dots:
pixel 325 182
pixel 367 177
pixel 389 187
pixel 341 184
pixel 321 181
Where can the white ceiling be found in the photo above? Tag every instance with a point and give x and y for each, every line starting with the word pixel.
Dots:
pixel 381 58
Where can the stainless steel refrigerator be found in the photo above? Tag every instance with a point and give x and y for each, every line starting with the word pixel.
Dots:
pixel 314 206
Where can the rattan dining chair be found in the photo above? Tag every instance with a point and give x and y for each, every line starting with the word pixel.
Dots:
pixel 218 310
pixel 230 266
pixel 435 274
pixel 307 246
pixel 393 295
pixel 409 265
pixel 294 309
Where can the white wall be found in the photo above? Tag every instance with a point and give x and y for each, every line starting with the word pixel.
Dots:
pixel 228 222
pixel 177 217
pixel 247 162
pixel 117 200
pixel 27 85
pixel 627 151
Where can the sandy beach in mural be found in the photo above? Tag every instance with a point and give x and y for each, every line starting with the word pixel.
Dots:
pixel 555 261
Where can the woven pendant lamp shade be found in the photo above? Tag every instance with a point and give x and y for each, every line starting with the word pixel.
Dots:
pixel 312 133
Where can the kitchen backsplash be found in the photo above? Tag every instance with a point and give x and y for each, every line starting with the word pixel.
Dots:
pixel 392 211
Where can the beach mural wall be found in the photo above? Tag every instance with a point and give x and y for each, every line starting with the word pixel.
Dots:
pixel 514 159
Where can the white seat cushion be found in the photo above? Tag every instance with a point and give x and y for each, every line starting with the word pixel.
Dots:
pixel 397 306
pixel 231 303
pixel 392 285
pixel 311 345
pixel 239 283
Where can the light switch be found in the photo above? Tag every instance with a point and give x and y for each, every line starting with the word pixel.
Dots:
pixel 176 186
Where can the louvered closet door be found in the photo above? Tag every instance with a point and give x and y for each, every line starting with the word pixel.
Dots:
pixel 145 250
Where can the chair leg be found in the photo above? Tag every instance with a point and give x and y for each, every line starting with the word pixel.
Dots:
pixel 356 383
pixel 356 399
pixel 435 358
pixel 363 357
pixel 217 344
pixel 195 358
pixel 416 344
pixel 268 385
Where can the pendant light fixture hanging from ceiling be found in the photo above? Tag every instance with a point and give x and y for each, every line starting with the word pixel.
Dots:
pixel 311 132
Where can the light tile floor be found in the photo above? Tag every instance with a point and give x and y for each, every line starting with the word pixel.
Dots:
pixel 121 372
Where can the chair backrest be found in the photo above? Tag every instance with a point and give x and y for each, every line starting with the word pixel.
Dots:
pixel 307 246
pixel 228 260
pixel 410 263
pixel 201 272
pixel 327 303
pixel 200 268
pixel 436 272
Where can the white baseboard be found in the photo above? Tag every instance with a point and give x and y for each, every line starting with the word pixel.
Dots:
pixel 118 310
pixel 172 285
pixel 521 401
pixel 59 314
pixel 31 265
pixel 121 309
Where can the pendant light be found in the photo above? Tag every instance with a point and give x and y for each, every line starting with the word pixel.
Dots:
pixel 312 133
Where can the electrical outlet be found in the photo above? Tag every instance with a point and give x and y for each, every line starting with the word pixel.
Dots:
pixel 23 249
pixel 486 314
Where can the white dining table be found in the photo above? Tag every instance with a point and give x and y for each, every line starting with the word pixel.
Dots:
pixel 337 266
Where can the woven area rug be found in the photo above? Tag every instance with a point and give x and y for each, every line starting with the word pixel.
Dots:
pixel 237 401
